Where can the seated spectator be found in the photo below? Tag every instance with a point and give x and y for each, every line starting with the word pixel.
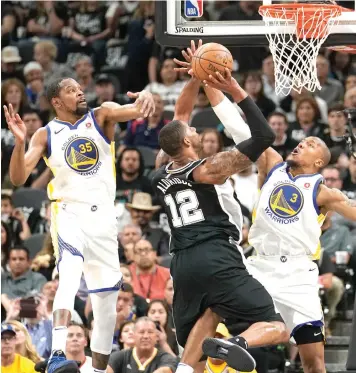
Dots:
pixel 15 219
pixel 252 83
pixel 6 243
pixel 105 90
pixel 350 98
pixel 75 348
pixel 129 175
pixel 144 132
pixel 10 59
pixel 307 123
pixel 45 53
pixel 41 219
pixel 283 144
pixel 202 101
pixel 168 298
pixel 140 305
pixel 127 339
pixel 130 234
pixel 142 210
pixel 340 65
pixel 350 179
pixel 168 87
pixel 12 92
pixel 44 261
pixel 144 356
pixel 268 78
pixel 148 278
pixel 212 143
pixel 333 135
pixel 158 312
pixel 91 27
pixel 333 286
pixel 84 73
pixel 24 345
pixel 20 281
pixel 12 362
pixel 34 84
pixel 41 174
pixel 331 89
pixel 350 82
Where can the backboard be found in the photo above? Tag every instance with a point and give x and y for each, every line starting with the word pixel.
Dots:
pixel 179 21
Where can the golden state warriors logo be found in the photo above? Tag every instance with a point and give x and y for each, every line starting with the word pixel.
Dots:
pixel 285 203
pixel 82 155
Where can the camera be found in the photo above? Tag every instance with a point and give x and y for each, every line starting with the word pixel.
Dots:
pixel 28 308
pixel 351 136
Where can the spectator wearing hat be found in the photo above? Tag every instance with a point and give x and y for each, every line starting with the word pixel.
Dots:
pixel 10 58
pixel 45 53
pixel 144 132
pixel 33 73
pixel 148 278
pixel 142 210
pixel 10 361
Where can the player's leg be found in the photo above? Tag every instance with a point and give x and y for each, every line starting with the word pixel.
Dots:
pixel 68 249
pixel 310 341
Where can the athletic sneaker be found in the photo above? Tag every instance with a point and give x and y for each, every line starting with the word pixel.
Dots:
pixel 58 363
pixel 235 356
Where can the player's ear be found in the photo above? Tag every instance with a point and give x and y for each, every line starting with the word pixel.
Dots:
pixel 186 141
pixel 56 102
pixel 319 163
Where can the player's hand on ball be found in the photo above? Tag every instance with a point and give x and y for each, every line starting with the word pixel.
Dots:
pixel 225 84
pixel 144 100
pixel 15 124
pixel 186 65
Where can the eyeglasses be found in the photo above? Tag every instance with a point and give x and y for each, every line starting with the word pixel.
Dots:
pixel 142 251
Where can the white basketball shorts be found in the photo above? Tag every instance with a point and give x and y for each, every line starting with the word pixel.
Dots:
pixel 293 285
pixel 88 231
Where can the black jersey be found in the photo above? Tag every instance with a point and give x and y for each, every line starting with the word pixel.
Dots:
pixel 196 212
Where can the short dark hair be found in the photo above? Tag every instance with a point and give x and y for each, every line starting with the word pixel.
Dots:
pixel 53 88
pixel 25 249
pixel 171 137
pixel 5 197
pixel 29 110
pixel 127 288
pixel 332 167
pixel 85 330
pixel 337 107
pixel 278 114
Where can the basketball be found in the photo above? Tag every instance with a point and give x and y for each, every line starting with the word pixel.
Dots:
pixel 210 58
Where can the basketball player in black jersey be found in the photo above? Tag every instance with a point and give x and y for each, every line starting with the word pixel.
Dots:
pixel 210 279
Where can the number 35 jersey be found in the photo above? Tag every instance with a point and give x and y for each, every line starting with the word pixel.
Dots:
pixel 82 160
pixel 196 212
pixel 286 219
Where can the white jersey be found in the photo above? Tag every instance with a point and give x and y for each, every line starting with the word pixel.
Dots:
pixel 82 160
pixel 286 219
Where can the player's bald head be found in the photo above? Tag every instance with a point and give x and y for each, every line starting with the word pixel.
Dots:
pixel 325 154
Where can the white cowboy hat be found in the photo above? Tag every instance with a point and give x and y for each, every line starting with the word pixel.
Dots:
pixel 142 201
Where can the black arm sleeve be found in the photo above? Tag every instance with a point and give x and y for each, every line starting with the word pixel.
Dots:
pixel 262 136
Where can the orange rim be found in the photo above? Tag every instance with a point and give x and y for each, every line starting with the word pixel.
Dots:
pixel 290 12
pixel 351 49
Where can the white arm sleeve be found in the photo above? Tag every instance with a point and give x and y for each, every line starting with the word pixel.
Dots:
pixel 232 120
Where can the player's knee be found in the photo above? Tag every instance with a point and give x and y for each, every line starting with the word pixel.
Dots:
pixel 313 364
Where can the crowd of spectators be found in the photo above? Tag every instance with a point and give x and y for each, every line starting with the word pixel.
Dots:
pixel 109 47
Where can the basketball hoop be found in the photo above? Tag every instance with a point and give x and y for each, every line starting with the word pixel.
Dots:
pixel 296 32
pixel 351 49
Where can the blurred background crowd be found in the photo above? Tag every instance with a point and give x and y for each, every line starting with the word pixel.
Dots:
pixel 109 47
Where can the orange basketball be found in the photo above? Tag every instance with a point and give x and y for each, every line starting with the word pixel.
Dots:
pixel 209 58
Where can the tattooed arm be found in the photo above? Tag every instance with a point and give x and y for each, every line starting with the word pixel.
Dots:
pixel 216 169
pixel 334 200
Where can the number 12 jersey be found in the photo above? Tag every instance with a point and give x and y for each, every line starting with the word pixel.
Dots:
pixel 196 212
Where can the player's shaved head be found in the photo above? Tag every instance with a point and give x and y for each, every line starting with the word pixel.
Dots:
pixel 171 137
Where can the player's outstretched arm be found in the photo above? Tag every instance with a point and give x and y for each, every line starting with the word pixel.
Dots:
pixel 111 112
pixel 21 163
pixel 335 200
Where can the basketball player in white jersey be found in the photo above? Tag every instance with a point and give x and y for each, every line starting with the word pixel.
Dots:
pixel 291 208
pixel 78 147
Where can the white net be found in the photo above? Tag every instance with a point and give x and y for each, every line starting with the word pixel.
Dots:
pixel 295 36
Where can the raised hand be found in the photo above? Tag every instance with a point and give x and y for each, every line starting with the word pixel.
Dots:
pixel 144 100
pixel 15 124
pixel 225 84
pixel 186 65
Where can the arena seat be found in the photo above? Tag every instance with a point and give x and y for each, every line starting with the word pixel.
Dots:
pixel 29 197
pixel 149 156
pixel 204 119
pixel 34 244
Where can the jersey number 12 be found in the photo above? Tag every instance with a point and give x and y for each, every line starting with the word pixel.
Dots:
pixel 188 208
